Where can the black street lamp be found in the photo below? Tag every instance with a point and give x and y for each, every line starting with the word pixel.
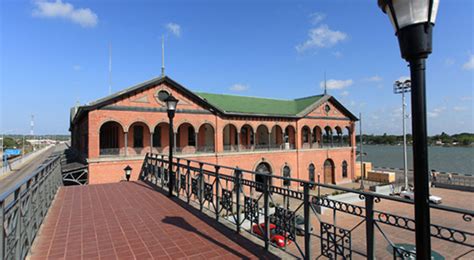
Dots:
pixel 413 21
pixel 171 103
pixel 128 172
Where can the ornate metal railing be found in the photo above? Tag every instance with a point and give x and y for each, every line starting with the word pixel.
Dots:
pixel 24 206
pixel 366 225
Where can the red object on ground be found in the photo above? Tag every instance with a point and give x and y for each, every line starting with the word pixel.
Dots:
pixel 277 239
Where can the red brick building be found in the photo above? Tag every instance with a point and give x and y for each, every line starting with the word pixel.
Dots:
pixel 300 138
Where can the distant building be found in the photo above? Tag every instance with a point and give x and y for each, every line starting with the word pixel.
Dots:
pixel 300 138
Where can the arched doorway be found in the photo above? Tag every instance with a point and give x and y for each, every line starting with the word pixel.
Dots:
pixel 265 168
pixel 110 139
pixel 329 172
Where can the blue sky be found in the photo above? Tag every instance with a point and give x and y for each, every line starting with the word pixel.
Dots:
pixel 55 53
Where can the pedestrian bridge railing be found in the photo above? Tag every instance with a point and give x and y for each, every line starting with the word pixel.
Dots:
pixel 298 219
pixel 24 206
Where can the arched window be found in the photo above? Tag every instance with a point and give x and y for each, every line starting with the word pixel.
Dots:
pixel 138 136
pixel 157 137
pixel 311 172
pixel 344 169
pixel 287 174
pixel 191 137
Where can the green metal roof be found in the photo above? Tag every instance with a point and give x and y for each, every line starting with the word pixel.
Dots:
pixel 258 106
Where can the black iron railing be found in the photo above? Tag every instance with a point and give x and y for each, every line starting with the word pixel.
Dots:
pixel 302 221
pixel 24 206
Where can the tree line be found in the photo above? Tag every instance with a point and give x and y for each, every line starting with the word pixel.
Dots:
pixel 444 139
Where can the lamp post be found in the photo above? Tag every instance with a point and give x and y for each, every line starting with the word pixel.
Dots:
pixel 413 21
pixel 171 103
pixel 402 88
pixel 128 172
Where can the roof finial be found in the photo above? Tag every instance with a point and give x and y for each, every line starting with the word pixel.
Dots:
pixel 325 85
pixel 110 68
pixel 162 56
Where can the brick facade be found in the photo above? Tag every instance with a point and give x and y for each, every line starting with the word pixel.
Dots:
pixel 214 135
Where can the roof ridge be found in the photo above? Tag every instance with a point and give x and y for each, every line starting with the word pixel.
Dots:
pixel 268 98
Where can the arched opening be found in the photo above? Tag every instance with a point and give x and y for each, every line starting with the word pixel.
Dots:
pixel 161 137
pixel 139 138
pixel 230 138
pixel 186 139
pixel 347 136
pixel 339 140
pixel 206 139
pixel 247 137
pixel 265 168
pixel 111 139
pixel 327 137
pixel 289 137
pixel 329 172
pixel 311 173
pixel 344 169
pixel 276 137
pixel 317 136
pixel 287 174
pixel 262 138
pixel 305 137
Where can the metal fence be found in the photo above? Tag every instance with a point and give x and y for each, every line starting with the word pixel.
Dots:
pixel 24 206
pixel 305 223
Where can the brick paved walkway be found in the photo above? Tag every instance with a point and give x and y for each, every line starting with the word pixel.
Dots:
pixel 133 221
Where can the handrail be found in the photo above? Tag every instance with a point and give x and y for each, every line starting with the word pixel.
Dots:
pixel 221 191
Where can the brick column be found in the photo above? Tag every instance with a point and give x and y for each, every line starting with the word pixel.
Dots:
pixel 238 141
pixel 151 142
pixel 126 143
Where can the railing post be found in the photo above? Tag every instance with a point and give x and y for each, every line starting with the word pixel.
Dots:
pixel 201 186
pixel 188 177
pixel 177 177
pixel 307 222
pixel 217 192
pixel 237 183
pixel 2 231
pixel 18 224
pixel 369 224
pixel 266 192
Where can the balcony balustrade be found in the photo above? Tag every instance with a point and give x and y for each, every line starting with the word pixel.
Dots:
pixel 310 224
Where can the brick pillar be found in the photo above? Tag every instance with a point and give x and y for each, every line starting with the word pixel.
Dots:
pixel 126 142
pixel 238 141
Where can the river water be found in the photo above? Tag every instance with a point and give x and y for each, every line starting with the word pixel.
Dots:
pixel 445 159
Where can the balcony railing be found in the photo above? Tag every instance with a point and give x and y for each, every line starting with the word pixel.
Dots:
pixel 112 152
pixel 24 206
pixel 311 224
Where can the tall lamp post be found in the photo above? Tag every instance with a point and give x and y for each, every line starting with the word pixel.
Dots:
pixel 401 88
pixel 413 21
pixel 171 103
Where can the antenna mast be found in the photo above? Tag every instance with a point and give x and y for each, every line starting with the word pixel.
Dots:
pixel 110 68
pixel 162 56
pixel 325 85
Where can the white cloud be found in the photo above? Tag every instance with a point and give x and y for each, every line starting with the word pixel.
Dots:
pixel 82 16
pixel 344 93
pixel 449 62
pixel 403 78
pixel 77 67
pixel 336 84
pixel 174 29
pixel 317 17
pixel 321 37
pixel 459 108
pixel 436 112
pixel 466 98
pixel 239 87
pixel 469 65
pixel 375 78
pixel 337 54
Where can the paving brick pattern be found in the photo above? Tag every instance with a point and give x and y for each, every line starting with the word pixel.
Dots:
pixel 129 220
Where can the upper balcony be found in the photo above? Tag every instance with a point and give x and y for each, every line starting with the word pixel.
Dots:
pixel 139 140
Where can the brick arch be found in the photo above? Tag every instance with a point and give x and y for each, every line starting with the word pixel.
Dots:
pixel 139 121
pixel 160 122
pixel 110 120
pixel 176 125
pixel 207 122
pixel 263 160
